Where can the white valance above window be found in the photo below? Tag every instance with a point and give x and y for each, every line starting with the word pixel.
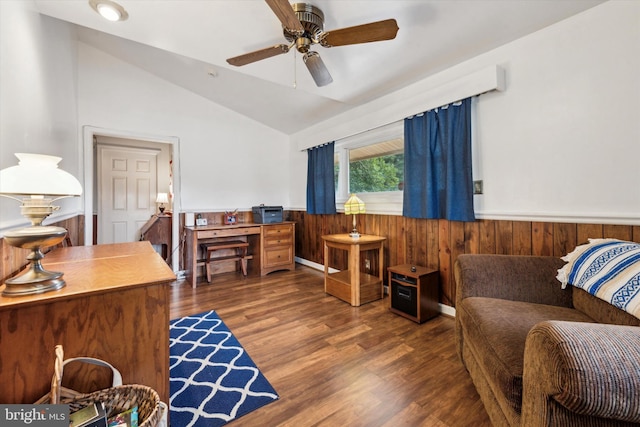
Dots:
pixel 396 106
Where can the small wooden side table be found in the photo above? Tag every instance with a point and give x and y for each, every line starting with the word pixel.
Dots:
pixel 352 285
pixel 413 294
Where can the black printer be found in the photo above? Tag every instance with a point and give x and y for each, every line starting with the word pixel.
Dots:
pixel 267 214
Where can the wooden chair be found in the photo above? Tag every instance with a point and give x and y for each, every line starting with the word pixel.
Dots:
pixel 240 255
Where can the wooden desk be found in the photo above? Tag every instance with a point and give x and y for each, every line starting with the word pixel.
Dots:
pixel 271 247
pixel 351 285
pixel 158 231
pixel 115 307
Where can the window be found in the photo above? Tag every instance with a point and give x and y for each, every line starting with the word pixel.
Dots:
pixel 371 164
pixel 377 167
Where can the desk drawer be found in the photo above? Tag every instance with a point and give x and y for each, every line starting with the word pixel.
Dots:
pixel 275 257
pixel 278 242
pixel 277 230
pixel 278 235
pixel 284 240
pixel 241 231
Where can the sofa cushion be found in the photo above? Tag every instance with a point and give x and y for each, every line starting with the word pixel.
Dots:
pixel 600 310
pixel 496 330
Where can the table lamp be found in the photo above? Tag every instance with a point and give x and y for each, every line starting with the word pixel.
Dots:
pixel 162 199
pixel 354 206
pixel 36 182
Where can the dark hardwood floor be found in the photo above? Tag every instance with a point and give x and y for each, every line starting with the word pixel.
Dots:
pixel 337 365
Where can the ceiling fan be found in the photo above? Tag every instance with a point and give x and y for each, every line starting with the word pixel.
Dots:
pixel 303 26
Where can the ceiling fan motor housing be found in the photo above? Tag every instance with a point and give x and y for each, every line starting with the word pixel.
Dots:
pixel 312 20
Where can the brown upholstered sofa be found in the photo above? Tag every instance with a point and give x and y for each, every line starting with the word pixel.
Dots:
pixel 540 355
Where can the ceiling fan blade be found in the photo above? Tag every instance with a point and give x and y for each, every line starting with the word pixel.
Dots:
pixel 285 14
pixel 372 32
pixel 258 55
pixel 317 68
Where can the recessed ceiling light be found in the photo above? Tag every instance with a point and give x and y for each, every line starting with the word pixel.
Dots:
pixel 109 10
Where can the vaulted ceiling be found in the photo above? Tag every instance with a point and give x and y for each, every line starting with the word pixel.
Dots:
pixel 187 42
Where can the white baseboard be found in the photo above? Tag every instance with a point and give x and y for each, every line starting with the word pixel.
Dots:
pixel 448 310
pixel 314 265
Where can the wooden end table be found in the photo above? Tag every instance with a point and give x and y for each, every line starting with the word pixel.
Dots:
pixel 352 285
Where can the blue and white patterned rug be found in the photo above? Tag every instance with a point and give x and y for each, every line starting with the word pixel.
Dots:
pixel 212 378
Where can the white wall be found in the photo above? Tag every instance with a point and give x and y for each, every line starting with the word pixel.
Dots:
pixel 298 182
pixel 38 108
pixel 228 161
pixel 563 141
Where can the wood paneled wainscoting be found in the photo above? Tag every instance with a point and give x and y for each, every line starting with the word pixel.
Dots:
pixel 436 244
pixel 13 259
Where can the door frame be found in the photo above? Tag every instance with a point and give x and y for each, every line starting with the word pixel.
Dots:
pixel 89 132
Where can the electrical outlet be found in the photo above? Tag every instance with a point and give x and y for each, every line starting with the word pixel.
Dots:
pixel 477 187
pixel 367 264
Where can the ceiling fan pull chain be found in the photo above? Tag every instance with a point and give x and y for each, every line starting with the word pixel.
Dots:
pixel 295 71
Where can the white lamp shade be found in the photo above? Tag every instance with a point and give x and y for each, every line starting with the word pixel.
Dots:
pixel 162 198
pixel 354 206
pixel 38 174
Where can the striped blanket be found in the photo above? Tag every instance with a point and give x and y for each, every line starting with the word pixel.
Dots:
pixel 608 269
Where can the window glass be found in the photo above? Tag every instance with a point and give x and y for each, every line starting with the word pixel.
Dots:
pixel 376 167
pixel 371 164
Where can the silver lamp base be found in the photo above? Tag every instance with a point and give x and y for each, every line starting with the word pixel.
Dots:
pixel 36 279
pixel 17 288
pixel 354 233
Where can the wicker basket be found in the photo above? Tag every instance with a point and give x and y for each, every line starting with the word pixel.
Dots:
pixel 116 399
pixel 122 398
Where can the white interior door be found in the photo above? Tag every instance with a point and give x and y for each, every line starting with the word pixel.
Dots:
pixel 127 187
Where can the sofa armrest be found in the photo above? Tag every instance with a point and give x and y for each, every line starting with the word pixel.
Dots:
pixel 574 370
pixel 511 277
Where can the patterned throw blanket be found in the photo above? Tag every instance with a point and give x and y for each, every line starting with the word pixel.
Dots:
pixel 608 269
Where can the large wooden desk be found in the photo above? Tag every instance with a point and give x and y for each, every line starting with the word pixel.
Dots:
pixel 271 246
pixel 352 285
pixel 114 307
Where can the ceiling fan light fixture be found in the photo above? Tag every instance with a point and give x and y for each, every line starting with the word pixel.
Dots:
pixel 109 10
pixel 316 67
pixel 303 44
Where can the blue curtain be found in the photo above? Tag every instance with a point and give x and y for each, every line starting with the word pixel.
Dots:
pixel 321 188
pixel 437 164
